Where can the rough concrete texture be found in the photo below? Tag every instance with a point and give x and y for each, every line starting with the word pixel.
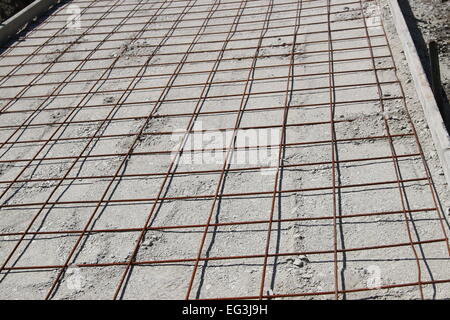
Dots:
pixel 348 218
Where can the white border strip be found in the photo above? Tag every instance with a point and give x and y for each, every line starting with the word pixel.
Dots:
pixel 433 116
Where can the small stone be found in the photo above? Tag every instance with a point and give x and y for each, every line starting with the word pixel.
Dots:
pixel 298 262
pixel 108 100
pixel 298 236
pixel 148 242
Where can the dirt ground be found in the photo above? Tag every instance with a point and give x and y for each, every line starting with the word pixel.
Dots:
pixel 429 20
pixel 10 7
pixel 349 217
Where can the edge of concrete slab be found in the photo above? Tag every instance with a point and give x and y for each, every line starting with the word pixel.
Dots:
pixel 433 116
pixel 14 24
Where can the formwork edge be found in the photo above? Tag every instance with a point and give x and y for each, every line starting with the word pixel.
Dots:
pixel 14 24
pixel 433 116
